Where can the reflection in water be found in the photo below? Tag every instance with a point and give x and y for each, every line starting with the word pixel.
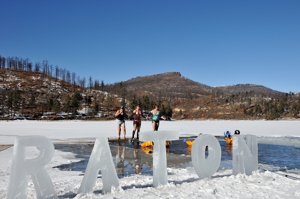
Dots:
pixel 228 149
pixel 136 163
pixel 120 161
pixel 135 160
pixel 131 158
pixel 188 150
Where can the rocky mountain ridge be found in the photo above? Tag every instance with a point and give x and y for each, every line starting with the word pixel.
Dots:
pixel 193 100
pixel 173 83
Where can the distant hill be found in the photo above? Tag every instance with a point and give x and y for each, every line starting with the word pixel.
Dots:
pixel 239 88
pixel 171 83
pixel 194 100
pixel 175 85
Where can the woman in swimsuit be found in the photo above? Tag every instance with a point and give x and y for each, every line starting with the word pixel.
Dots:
pixel 137 116
pixel 121 115
pixel 155 116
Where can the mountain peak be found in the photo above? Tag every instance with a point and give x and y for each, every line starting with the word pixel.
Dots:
pixel 172 73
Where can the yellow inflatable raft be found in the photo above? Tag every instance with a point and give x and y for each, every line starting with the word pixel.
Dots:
pixel 147 150
pixel 189 142
pixel 228 140
pixel 151 144
pixel 147 144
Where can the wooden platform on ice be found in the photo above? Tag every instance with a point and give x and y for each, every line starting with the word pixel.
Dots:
pixel 115 139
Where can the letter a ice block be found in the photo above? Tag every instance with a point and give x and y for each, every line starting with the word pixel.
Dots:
pixel 100 159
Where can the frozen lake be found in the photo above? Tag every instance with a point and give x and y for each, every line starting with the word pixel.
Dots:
pixel 278 149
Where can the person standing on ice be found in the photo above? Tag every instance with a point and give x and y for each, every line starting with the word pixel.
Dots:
pixel 121 115
pixel 155 117
pixel 137 116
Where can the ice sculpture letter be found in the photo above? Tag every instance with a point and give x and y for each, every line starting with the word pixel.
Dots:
pixel 159 154
pixel 21 168
pixel 206 167
pixel 100 159
pixel 244 156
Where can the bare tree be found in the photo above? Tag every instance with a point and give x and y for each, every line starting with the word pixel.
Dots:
pixel 18 63
pixel 68 77
pixel 45 67
pixel 63 74
pixel 96 85
pixel 74 80
pixel 37 67
pixel 78 80
pixel 29 66
pixel 50 70
pixel 90 82
pixel 83 82
pixel 102 85
pixel 2 62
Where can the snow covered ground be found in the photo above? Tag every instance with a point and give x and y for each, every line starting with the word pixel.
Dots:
pixel 183 182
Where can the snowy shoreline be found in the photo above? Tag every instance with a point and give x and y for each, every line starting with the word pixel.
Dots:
pixel 182 182
pixel 89 130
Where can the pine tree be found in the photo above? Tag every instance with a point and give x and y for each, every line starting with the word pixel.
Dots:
pixel 134 102
pixel 75 101
pixel 169 111
pixel 95 108
pixel 56 106
pixel 49 104
pixel 67 104
pixel 146 103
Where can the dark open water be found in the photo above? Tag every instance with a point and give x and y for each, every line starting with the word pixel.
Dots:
pixel 130 158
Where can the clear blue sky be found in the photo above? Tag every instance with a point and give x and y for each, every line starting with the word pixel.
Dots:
pixel 212 42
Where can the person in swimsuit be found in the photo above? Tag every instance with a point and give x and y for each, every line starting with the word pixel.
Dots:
pixel 137 116
pixel 121 115
pixel 155 117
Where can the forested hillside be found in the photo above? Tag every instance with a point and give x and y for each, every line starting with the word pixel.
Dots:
pixel 32 90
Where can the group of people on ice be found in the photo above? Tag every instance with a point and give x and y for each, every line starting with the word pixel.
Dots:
pixel 137 116
pixel 155 117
